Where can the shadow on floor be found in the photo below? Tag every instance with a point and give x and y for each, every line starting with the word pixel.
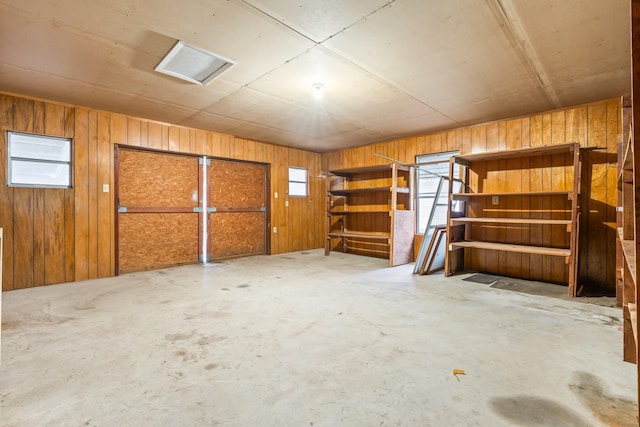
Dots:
pixel 601 297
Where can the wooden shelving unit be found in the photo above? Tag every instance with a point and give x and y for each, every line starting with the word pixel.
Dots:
pixel 370 212
pixel 626 289
pixel 491 202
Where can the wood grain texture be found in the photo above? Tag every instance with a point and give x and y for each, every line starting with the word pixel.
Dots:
pixel 236 184
pixel 234 234
pixel 152 241
pixel 88 212
pixel 6 193
pixel 157 179
pixel 592 125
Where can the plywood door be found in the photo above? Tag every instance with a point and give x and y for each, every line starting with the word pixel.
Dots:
pixel 238 203
pixel 157 224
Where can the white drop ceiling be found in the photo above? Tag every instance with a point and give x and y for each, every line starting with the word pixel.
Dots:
pixel 389 68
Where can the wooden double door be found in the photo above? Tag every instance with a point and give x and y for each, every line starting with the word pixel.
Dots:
pixel 175 209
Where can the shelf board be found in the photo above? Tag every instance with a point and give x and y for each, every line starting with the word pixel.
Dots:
pixel 377 211
pixel 362 235
pixel 629 253
pixel 528 193
pixel 366 169
pixel 517 154
pixel 495 220
pixel 367 190
pixel 537 250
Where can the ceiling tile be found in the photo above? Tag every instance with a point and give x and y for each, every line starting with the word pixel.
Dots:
pixel 444 54
pixel 579 61
pixel 318 20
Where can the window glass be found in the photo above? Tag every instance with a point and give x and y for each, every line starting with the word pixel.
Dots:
pixel 297 182
pixel 430 180
pixel 38 161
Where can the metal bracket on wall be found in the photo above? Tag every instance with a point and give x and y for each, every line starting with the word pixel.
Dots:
pixel 198 209
pixel 263 209
pixel 211 209
pixel 200 257
pixel 122 209
pixel 201 161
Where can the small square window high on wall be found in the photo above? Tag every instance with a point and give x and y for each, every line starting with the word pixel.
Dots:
pixel 297 182
pixel 38 161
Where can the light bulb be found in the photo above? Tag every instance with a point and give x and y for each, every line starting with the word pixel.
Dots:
pixel 317 90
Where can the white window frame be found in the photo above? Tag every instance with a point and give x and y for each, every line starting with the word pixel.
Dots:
pixel 296 182
pixel 440 166
pixel 38 159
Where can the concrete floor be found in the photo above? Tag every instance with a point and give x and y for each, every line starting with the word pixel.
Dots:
pixel 306 340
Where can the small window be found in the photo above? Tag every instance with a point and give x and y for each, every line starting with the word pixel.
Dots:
pixel 38 161
pixel 297 182
pixel 433 188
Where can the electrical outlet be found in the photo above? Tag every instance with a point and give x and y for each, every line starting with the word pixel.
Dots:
pixel 275 230
pixel 495 200
pixel 105 188
pixel 286 203
pixel 275 195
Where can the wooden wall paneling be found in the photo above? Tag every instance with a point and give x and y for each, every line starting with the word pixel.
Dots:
pixel 39 236
pixel 69 205
pixel 84 133
pixel 104 216
pixel 118 128
pixel 174 138
pixel 293 210
pixel 282 181
pixel 39 229
pixel 225 147
pixel 535 131
pixel 144 133
pixel 23 115
pixel 23 235
pixel 199 142
pixel 237 148
pixel 559 236
pixel 547 238
pixel 402 150
pixel 476 259
pixel 513 205
pixel 39 117
pixel 155 136
pixel 546 129
pixel 213 144
pixel 576 125
pixel 49 210
pixel 23 208
pixel 55 244
pixel 184 138
pixel 535 206
pixel 525 141
pixel 614 128
pixel 94 190
pixel 133 132
pixel 259 152
pixel 593 215
pixel 6 193
pixel 560 210
pixel 502 186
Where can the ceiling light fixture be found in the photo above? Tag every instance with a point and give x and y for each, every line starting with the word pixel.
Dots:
pixel 193 64
pixel 317 90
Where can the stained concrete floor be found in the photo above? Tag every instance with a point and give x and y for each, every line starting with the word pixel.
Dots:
pixel 306 340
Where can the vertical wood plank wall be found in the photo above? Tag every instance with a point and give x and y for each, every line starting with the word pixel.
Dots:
pixel 593 125
pixel 53 236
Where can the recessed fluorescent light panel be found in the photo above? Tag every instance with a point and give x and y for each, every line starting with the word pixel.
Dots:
pixel 193 64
